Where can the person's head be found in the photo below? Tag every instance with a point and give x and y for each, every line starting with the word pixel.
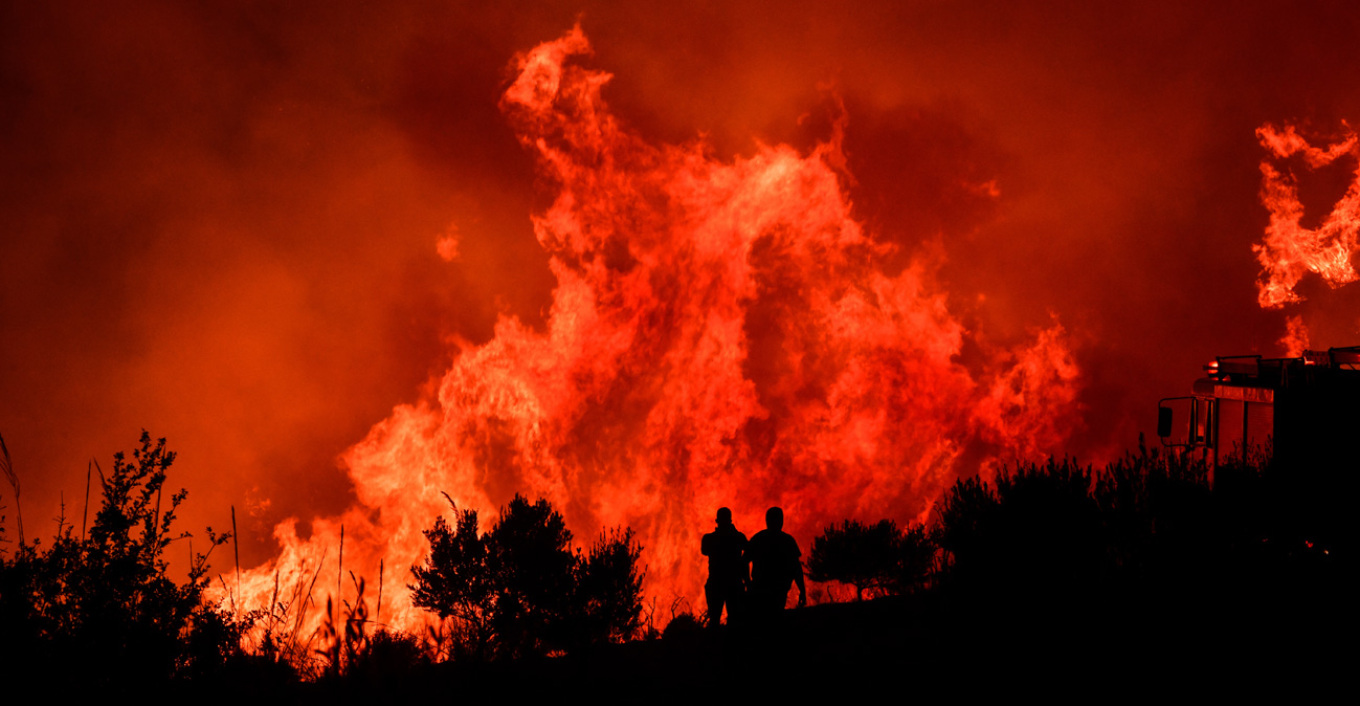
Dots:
pixel 774 518
pixel 724 516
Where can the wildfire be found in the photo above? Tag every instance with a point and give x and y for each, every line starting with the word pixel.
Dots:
pixel 721 334
pixel 1289 250
pixel 1295 340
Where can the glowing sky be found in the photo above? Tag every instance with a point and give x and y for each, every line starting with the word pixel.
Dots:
pixel 219 220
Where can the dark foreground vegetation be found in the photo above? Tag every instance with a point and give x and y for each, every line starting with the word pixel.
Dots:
pixel 1140 578
pixel 95 606
pixel 520 590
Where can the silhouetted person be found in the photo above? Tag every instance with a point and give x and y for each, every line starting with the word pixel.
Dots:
pixel 776 564
pixel 727 576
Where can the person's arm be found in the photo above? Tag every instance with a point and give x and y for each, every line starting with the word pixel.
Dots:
pixel 798 579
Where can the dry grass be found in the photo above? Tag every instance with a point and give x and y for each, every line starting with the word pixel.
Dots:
pixel 7 467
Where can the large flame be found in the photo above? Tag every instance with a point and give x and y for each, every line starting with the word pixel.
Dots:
pixel 721 334
pixel 1290 250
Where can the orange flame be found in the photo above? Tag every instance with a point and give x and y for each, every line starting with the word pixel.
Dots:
pixel 721 334
pixel 1289 250
pixel 1295 340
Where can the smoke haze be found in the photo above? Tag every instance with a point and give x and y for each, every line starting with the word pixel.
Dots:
pixel 256 230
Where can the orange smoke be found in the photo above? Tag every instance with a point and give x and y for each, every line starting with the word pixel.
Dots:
pixel 720 334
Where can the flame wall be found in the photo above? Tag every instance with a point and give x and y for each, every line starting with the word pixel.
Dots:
pixel 721 334
pixel 255 229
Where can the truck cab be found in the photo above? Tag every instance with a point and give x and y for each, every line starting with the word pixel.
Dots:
pixel 1303 410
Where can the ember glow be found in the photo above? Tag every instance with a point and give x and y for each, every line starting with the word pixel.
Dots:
pixel 722 333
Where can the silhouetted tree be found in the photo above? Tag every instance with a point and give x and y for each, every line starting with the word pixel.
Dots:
pixel 530 557
pixel 521 589
pixel 457 582
pixel 878 557
pixel 864 556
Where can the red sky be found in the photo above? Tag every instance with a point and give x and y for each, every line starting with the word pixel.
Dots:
pixel 219 218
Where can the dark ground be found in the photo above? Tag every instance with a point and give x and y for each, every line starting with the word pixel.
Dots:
pixel 1215 639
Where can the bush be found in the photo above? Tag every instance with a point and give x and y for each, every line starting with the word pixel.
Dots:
pixel 104 601
pixel 609 589
pixel 521 589
pixel 966 517
pixel 915 560
pixel 1038 526
pixel 685 627
pixel 879 558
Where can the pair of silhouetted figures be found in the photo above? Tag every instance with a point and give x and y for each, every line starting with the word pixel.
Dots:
pixel 751 578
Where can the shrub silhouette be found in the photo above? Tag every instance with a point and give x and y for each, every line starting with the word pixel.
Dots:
pixel 915 559
pixel 1037 525
pixel 1052 526
pixel 1148 519
pixel 967 517
pixel 521 589
pixel 1156 510
pixel 877 558
pixel 609 590
pixel 387 655
pixel 685 627
pixel 105 601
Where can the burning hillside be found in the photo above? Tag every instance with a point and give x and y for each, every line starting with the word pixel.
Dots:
pixel 721 333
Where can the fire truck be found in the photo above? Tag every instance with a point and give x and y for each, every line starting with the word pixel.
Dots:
pixel 1303 411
